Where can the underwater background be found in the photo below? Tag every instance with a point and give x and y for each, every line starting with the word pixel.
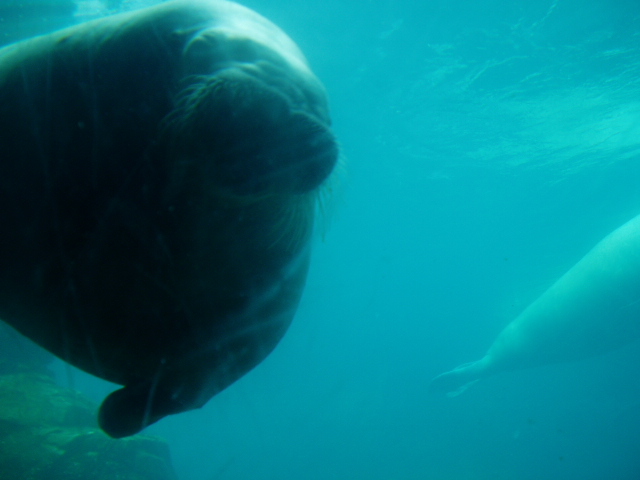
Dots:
pixel 487 146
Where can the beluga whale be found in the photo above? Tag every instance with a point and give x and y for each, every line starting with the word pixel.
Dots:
pixel 594 308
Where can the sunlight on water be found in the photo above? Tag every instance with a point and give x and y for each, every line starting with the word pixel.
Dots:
pixel 509 99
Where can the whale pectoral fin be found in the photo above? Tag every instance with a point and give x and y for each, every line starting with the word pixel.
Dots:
pixel 458 380
pixel 127 411
pixel 463 388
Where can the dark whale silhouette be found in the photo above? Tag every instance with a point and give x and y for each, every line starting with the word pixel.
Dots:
pixel 159 177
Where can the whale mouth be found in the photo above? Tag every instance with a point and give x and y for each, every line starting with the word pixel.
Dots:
pixel 293 155
pixel 250 139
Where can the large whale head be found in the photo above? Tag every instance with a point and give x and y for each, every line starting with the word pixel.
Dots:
pixel 163 167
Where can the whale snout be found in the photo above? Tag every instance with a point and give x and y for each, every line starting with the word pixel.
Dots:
pixel 294 154
pixel 258 140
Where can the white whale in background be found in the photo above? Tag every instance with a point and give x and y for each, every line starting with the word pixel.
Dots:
pixel 592 309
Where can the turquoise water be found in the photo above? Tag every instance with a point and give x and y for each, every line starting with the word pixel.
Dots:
pixel 487 147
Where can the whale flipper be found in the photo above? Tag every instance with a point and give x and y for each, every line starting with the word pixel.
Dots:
pixel 132 408
pixel 458 380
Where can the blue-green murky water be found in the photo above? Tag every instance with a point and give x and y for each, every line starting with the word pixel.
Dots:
pixel 488 146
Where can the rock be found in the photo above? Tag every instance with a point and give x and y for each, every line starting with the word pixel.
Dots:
pixel 49 433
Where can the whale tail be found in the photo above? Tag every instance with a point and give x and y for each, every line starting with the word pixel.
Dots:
pixel 456 381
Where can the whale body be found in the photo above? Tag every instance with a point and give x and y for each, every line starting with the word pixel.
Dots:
pixel 159 177
pixel 592 309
